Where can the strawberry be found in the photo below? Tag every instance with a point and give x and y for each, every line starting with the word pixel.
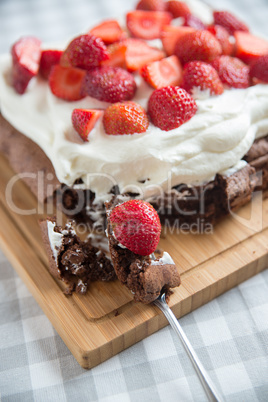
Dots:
pixel 139 53
pixel 193 21
pixel 229 21
pixel 48 59
pixel 177 8
pixel 232 71
pixel 203 76
pixel 85 51
pixel 170 35
pixel 198 45
pixel 125 118
pixel 109 31
pixel 109 84
pixel 26 53
pixel 84 121
pixel 136 225
pixel 170 107
pixel 249 47
pixel 151 5
pixel 147 24
pixel 223 37
pixel 259 69
pixel 66 82
pixel 117 55
pixel 162 73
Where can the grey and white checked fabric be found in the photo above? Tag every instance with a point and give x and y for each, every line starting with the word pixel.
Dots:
pixel 229 334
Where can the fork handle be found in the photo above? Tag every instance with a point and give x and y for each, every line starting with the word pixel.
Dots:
pixel 211 391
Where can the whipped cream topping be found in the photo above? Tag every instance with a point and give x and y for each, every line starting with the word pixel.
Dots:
pixel 55 239
pixel 212 141
pixel 164 260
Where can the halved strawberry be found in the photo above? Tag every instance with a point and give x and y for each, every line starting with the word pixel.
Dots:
pixel 170 34
pixel 66 82
pixel 159 74
pixel 151 5
pixel 109 31
pixel 85 51
pixel 259 69
pixel 177 8
pixel 84 121
pixel 139 53
pixel 249 47
pixel 48 59
pixel 232 71
pixel 229 21
pixel 223 37
pixel 125 118
pixel 193 21
pixel 147 24
pixel 26 53
pixel 198 74
pixel 198 45
pixel 117 55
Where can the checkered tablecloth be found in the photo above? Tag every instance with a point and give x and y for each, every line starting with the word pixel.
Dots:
pixel 229 334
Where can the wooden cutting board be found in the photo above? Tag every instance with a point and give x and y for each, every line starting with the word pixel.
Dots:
pixel 106 321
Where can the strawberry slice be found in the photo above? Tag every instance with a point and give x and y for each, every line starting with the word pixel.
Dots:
pixel 159 74
pixel 66 82
pixel 229 21
pixel 109 31
pixel 177 8
pixel 84 121
pixel 48 59
pixel 117 55
pixel 147 24
pixel 170 34
pixel 233 72
pixel 151 5
pixel 249 47
pixel 259 69
pixel 139 53
pixel 193 21
pixel 26 53
pixel 223 37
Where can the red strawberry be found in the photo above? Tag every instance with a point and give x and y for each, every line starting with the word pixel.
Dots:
pixel 162 73
pixel 177 8
pixel 136 226
pixel 203 76
pixel 229 21
pixel 139 53
pixel 26 54
pixel 125 118
pixel 117 55
pixel 170 107
pixel 170 35
pixel 193 21
pixel 232 71
pixel 249 47
pixel 84 121
pixel 48 59
pixel 147 24
pixel 259 69
pixel 151 5
pixel 198 45
pixel 109 31
pixel 85 51
pixel 109 84
pixel 66 82
pixel 223 37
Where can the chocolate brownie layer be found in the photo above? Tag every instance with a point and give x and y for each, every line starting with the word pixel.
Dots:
pixel 257 157
pixel 72 260
pixel 146 278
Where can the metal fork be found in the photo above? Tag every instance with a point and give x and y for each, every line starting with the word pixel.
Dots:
pixel 209 387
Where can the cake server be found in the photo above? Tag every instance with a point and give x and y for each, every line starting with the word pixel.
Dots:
pixel 210 389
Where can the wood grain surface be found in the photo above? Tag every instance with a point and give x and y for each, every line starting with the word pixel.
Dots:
pixel 106 321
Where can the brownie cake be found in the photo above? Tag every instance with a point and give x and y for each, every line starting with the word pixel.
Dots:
pixel 145 275
pixel 73 261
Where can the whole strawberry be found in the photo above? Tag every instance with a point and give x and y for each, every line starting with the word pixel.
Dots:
pixel 259 69
pixel 197 45
pixel 109 84
pixel 170 107
pixel 223 37
pixel 136 226
pixel 203 76
pixel 151 5
pixel 177 8
pixel 229 21
pixel 125 118
pixel 85 51
pixel 232 71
